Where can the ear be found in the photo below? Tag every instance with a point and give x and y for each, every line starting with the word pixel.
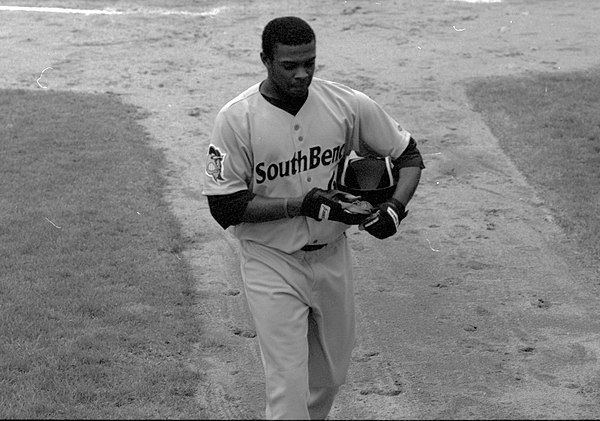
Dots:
pixel 265 60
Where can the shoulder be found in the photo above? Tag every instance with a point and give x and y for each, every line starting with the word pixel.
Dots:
pixel 323 86
pixel 338 92
pixel 242 102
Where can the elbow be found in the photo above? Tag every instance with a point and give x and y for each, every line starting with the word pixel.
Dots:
pixel 228 210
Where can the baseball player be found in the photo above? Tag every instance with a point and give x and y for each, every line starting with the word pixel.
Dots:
pixel 270 172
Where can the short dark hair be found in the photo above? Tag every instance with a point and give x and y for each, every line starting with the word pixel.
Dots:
pixel 287 30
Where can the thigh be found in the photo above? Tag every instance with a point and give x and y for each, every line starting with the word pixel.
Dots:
pixel 334 320
pixel 277 294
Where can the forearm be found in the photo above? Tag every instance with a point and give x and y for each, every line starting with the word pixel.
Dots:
pixel 407 184
pixel 263 209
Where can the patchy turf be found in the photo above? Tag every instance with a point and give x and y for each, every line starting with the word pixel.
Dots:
pixel 549 125
pixel 95 318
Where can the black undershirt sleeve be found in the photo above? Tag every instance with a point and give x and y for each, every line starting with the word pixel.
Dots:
pixel 228 209
pixel 411 157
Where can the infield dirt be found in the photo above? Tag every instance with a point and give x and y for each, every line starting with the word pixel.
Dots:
pixel 476 309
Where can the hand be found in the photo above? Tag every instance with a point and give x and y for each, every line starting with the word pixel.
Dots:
pixel 333 205
pixel 384 223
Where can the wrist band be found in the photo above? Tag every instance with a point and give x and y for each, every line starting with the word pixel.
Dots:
pixel 285 208
pixel 398 204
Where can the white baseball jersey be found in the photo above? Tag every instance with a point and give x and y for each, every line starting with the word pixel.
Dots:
pixel 259 147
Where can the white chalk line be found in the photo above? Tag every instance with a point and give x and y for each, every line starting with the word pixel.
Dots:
pixel 480 1
pixel 40 78
pixel 53 224
pixel 431 247
pixel 164 12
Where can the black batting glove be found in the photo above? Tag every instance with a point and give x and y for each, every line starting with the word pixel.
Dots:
pixel 333 205
pixel 384 223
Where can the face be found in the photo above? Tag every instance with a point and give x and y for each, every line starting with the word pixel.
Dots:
pixel 291 69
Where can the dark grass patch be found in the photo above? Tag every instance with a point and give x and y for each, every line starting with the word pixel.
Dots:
pixel 95 303
pixel 549 126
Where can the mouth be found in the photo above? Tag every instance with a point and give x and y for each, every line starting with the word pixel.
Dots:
pixel 299 88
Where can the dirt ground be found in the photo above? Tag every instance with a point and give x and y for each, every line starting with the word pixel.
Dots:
pixel 476 309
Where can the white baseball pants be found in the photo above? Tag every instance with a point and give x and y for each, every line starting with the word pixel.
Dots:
pixel 303 309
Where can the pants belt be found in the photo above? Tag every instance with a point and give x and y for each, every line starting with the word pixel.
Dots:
pixel 313 247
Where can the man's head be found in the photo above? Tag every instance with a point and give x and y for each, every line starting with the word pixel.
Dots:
pixel 288 53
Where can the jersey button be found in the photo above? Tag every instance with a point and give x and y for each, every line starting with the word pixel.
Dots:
pixel 300 138
pixel 297 127
pixel 308 179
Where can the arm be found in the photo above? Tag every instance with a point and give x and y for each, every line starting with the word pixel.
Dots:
pixel 407 184
pixel 263 209
pixel 381 135
pixel 410 164
pixel 244 206
pixel 385 222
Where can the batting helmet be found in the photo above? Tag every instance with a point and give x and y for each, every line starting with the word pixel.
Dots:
pixel 374 179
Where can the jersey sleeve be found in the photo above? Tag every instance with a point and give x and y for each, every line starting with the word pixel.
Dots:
pixel 375 131
pixel 228 165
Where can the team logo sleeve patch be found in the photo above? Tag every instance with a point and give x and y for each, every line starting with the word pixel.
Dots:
pixel 214 165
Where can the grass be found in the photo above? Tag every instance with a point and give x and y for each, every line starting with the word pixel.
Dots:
pixel 95 303
pixel 549 125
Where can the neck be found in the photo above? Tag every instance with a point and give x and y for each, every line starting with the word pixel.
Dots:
pixel 271 90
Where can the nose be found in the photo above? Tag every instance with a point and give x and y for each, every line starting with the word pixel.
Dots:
pixel 301 73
